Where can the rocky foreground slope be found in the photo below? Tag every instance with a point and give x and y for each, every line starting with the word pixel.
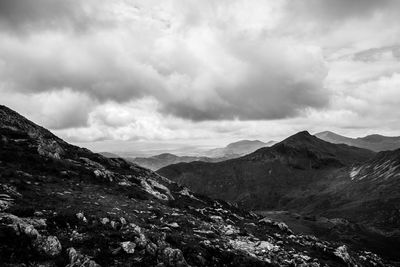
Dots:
pixel 61 205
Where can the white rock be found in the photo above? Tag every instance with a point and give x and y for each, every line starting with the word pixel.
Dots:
pixel 173 225
pixel 82 217
pixel 105 220
pixel 128 247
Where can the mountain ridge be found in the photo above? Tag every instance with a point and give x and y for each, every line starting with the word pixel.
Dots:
pixel 301 154
pixel 374 142
pixel 306 175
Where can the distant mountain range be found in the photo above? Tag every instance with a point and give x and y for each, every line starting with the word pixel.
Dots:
pixel 232 150
pixel 373 142
pixel 307 175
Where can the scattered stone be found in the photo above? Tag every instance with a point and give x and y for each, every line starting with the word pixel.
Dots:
pixel 128 247
pixel 217 219
pixel 81 216
pixel 173 225
pixel 38 214
pixel 104 221
pixel 264 245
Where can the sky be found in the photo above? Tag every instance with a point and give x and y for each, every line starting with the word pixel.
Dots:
pixel 177 75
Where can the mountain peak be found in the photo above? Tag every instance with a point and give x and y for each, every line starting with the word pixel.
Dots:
pixel 300 138
pixel 302 133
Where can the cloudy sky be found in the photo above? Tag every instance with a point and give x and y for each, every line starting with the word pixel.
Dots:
pixel 125 75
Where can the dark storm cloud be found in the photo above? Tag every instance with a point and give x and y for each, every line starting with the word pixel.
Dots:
pixel 24 16
pixel 259 97
pixel 336 10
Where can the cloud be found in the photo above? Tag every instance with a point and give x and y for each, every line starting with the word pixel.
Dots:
pixel 339 10
pixel 54 109
pixel 187 70
pixel 194 70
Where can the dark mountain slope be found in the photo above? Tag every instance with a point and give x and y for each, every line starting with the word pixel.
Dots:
pixel 374 142
pixel 61 205
pixel 320 180
pixel 272 177
pixel 368 192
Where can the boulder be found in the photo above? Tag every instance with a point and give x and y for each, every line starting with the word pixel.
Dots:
pixel 76 259
pixel 48 246
pixel 173 257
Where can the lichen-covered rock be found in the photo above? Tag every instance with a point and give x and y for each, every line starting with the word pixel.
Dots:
pixel 104 221
pixel 76 259
pixel 151 249
pixel 48 246
pixel 50 148
pixel 153 191
pixel 173 257
pixel 5 201
pixel 342 253
pixel 21 226
pixel 122 220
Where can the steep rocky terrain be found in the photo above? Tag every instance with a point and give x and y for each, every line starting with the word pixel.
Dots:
pixel 374 142
pixel 61 205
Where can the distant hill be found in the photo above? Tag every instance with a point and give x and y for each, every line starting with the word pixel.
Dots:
pixel 373 142
pixel 232 150
pixel 158 161
pixel 239 148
